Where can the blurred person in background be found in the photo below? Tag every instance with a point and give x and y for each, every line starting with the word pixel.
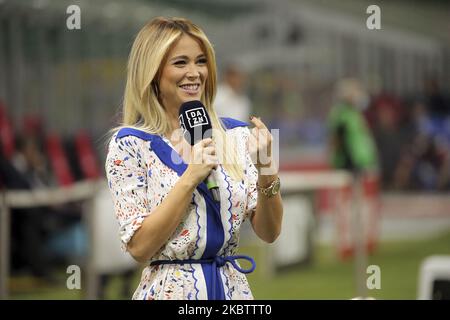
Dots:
pixel 40 241
pixel 391 135
pixel 425 160
pixel 168 220
pixel 352 146
pixel 31 227
pixel 231 100
pixel 437 103
pixel 30 161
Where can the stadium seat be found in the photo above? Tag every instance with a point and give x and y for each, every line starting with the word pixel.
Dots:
pixel 87 159
pixel 6 133
pixel 58 159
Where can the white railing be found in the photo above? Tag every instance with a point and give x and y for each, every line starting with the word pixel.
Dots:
pixel 17 199
pixel 313 180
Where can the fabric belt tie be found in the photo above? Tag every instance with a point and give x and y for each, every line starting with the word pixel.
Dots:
pixel 217 262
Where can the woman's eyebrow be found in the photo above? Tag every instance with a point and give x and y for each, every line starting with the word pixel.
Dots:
pixel 186 57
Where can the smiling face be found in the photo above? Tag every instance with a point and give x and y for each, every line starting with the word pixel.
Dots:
pixel 184 74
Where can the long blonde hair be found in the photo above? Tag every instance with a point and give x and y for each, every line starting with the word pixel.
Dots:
pixel 141 107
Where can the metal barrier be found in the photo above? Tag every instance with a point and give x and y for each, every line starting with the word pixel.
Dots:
pixel 297 183
pixel 81 191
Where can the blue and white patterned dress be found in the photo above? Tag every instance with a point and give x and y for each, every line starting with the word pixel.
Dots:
pixel 141 172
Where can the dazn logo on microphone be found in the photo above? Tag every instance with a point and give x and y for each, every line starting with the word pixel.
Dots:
pixel 196 117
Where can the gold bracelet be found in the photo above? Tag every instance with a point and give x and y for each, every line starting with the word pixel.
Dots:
pixel 271 190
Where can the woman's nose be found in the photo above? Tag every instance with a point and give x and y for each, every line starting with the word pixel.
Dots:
pixel 193 72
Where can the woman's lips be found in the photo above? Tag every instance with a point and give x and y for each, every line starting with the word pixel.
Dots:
pixel 191 89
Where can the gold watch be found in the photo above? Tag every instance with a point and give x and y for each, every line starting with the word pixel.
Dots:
pixel 271 190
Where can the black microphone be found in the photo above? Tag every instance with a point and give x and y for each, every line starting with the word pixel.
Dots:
pixel 196 124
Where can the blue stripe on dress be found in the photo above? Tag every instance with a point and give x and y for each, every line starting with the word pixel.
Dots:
pixel 214 229
pixel 226 250
pixel 214 242
pixel 196 248
pixel 230 219
pixel 230 123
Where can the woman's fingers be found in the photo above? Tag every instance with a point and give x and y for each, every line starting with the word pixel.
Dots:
pixel 203 159
pixel 260 142
pixel 206 142
pixel 258 123
pixel 204 152
pixel 210 150
pixel 260 130
pixel 261 135
pixel 211 160
pixel 208 146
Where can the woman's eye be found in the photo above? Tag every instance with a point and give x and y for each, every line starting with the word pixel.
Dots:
pixel 179 63
pixel 202 61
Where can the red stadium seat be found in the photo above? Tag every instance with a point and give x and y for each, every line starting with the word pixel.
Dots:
pixel 6 133
pixel 86 156
pixel 58 160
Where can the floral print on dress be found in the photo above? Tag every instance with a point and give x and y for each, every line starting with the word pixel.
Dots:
pixel 139 182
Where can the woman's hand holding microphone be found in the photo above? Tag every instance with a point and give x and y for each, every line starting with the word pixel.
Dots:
pixel 203 159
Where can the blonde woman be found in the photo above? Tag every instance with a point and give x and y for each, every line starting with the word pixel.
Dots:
pixel 168 219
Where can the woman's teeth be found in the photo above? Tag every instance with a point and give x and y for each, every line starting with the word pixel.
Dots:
pixel 190 87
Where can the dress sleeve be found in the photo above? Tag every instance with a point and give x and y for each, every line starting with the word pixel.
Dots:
pixel 251 174
pixel 127 180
